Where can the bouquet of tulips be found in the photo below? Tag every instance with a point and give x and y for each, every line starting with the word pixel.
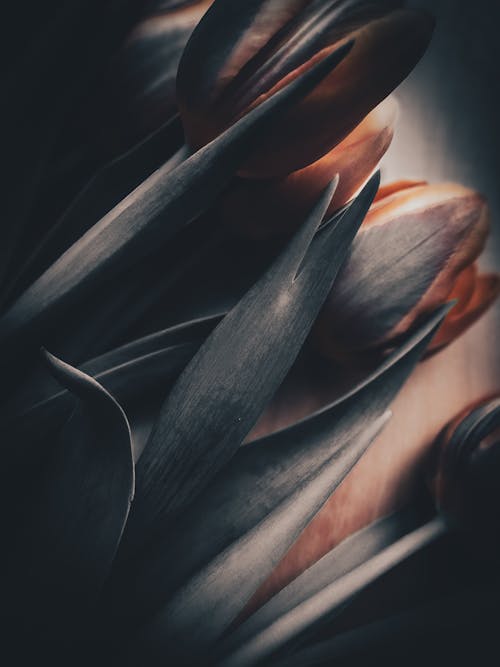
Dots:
pixel 201 225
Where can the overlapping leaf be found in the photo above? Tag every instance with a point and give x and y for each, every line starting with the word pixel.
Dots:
pixel 162 205
pixel 222 392
pixel 260 477
pixel 128 373
pixel 202 610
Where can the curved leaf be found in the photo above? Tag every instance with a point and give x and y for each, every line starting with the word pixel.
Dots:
pixel 105 190
pixel 66 543
pixel 128 373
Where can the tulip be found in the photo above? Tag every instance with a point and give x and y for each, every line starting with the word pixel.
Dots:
pixel 416 249
pixel 256 49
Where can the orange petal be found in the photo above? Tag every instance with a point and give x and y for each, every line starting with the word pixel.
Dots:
pixel 463 290
pixel 396 186
pixel 384 53
pixel 259 209
pixel 487 289
pixel 403 264
pixel 463 211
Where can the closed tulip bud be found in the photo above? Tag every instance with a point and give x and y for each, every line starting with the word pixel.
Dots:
pixel 252 51
pixel 264 208
pixel 416 249
pixel 466 464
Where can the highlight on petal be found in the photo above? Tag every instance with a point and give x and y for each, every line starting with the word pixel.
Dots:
pixel 481 292
pixel 387 46
pixel 413 252
pixel 263 208
pixel 387 189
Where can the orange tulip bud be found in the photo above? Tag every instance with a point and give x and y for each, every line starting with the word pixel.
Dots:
pixel 415 250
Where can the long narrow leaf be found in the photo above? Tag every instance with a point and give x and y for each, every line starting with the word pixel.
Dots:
pixel 154 211
pixel 105 190
pixel 224 389
pixel 349 554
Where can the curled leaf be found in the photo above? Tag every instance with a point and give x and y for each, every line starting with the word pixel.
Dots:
pixel 67 542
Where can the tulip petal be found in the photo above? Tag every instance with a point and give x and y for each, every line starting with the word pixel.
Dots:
pixel 157 209
pixel 395 187
pixel 129 373
pixel 403 263
pixel 260 209
pixel 65 546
